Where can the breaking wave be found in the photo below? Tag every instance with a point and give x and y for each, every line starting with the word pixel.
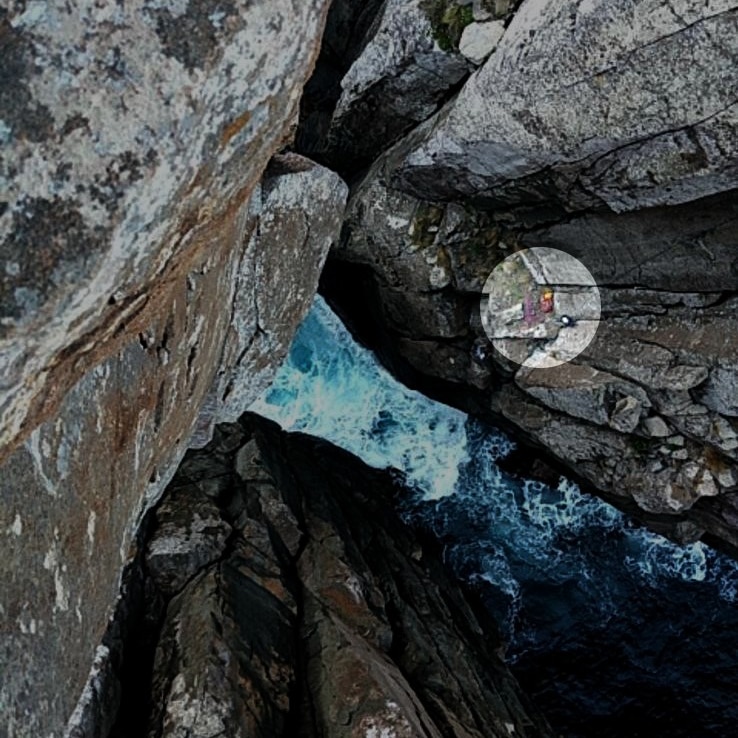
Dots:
pixel 562 571
pixel 333 388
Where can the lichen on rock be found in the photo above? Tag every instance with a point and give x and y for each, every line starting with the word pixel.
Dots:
pixel 134 143
pixel 448 20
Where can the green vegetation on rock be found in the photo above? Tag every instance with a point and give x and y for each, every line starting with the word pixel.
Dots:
pixel 448 21
pixel 425 224
pixel 643 446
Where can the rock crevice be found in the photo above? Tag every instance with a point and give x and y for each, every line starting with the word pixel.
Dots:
pixel 322 614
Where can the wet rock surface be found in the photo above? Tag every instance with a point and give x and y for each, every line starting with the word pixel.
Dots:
pixel 323 614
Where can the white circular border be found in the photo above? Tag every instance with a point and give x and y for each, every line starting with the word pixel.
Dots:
pixel 536 339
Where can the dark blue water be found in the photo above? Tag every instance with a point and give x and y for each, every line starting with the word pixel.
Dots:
pixel 615 630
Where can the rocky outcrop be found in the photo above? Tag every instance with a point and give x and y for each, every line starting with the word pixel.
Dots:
pixel 322 615
pixel 574 136
pixel 297 220
pixel 576 107
pixel 397 82
pixel 147 267
pixel 408 65
pixel 136 413
pixel 124 163
pixel 153 275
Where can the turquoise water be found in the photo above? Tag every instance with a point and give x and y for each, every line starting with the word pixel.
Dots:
pixel 607 623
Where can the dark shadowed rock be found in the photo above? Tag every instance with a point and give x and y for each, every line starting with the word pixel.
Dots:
pixel 400 78
pixel 395 72
pixel 325 617
pixel 190 534
pixel 392 643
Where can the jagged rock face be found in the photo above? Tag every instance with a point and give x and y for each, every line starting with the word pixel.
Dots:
pixel 122 429
pixel 627 104
pixel 396 83
pixel 345 32
pixel 405 66
pixel 297 210
pixel 152 280
pixel 323 616
pixel 136 235
pixel 549 145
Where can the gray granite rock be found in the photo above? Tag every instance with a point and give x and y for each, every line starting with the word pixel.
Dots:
pixel 399 79
pixel 134 141
pixel 656 427
pixel 479 40
pixel 298 213
pixel 575 105
pixel 572 136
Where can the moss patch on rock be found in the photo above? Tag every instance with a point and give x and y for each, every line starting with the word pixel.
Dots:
pixel 448 20
pixel 644 447
pixel 425 225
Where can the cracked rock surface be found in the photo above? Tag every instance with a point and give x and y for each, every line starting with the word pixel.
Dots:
pixel 596 130
pixel 399 79
pixel 322 616
pixel 577 103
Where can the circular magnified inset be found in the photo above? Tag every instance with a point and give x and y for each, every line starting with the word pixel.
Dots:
pixel 540 307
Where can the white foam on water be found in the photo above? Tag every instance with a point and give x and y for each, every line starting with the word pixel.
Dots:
pixel 331 387
pixel 659 559
pixel 564 509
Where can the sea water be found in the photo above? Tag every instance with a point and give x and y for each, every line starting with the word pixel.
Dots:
pixel 608 625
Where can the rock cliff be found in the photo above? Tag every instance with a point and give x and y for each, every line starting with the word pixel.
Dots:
pixel 151 282
pixel 286 598
pixel 159 245
pixel 607 131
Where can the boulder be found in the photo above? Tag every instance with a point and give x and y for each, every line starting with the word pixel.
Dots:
pixel 134 141
pixel 125 161
pixel 299 217
pixel 656 427
pixel 575 106
pixel 479 40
